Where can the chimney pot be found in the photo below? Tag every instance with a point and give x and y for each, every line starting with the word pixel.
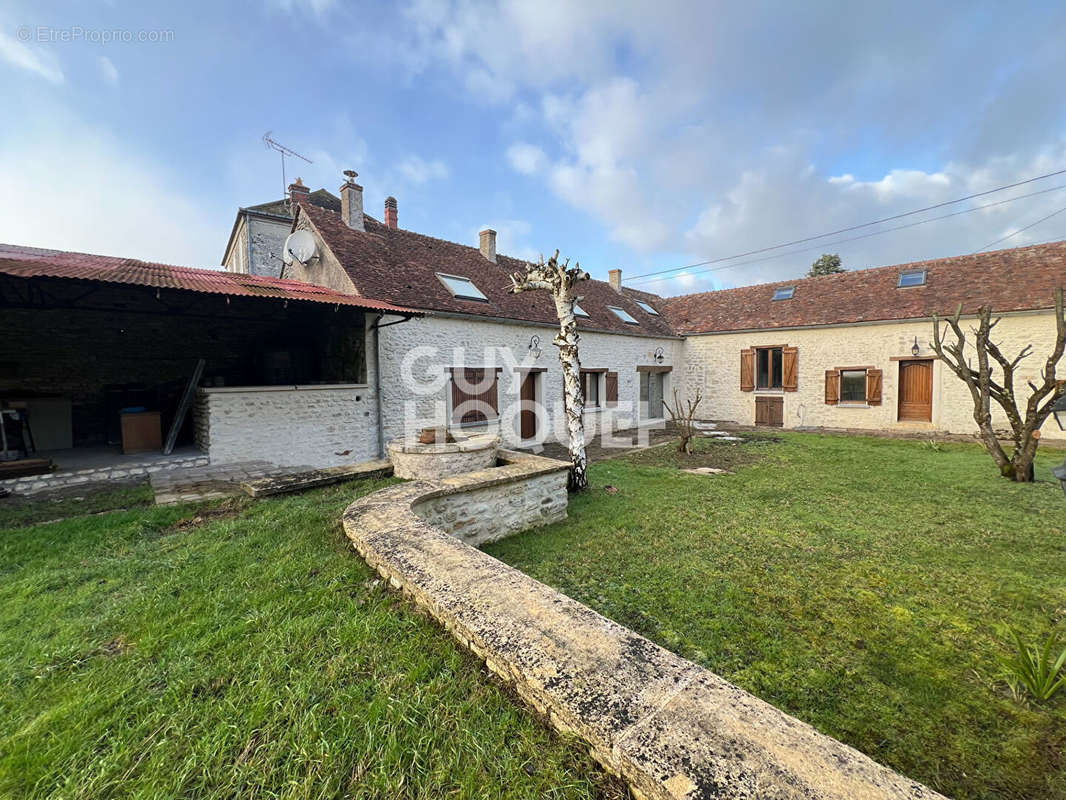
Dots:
pixel 488 244
pixel 392 213
pixel 615 278
pixel 352 201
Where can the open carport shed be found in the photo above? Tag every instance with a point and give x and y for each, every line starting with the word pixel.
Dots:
pixel 85 337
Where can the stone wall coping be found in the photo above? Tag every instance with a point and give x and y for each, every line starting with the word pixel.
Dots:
pixel 478 441
pixel 668 727
pixel 308 387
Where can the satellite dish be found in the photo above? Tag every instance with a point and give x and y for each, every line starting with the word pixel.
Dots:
pixel 300 246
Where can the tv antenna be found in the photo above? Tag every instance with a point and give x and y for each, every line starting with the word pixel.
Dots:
pixel 285 151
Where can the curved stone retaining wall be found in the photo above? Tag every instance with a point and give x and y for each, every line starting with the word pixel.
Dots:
pixel 669 728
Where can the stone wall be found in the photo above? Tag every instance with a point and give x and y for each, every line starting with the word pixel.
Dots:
pixel 669 728
pixel 451 341
pixel 314 426
pixel 498 507
pixel 416 461
pixel 712 362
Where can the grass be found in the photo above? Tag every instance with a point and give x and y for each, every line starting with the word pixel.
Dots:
pixel 17 511
pixel 244 651
pixel 864 585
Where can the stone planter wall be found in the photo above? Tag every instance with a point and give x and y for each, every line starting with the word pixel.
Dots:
pixel 413 460
pixel 670 728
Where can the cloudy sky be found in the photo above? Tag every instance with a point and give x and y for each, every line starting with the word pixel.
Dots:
pixel 640 135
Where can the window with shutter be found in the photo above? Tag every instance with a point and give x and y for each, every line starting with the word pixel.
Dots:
pixel 611 389
pixel 832 387
pixel 747 370
pixel 474 394
pixel 873 387
pixel 789 369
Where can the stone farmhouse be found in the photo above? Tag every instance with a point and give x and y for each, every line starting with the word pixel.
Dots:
pixel 377 332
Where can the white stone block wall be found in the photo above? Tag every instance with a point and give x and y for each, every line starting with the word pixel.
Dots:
pixel 494 512
pixel 475 343
pixel 713 363
pixel 316 426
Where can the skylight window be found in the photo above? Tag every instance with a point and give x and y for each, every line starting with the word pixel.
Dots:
pixel 647 307
pixel 623 315
pixel 785 293
pixel 912 277
pixel 580 312
pixel 462 288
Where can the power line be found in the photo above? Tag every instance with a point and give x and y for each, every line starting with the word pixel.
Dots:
pixel 852 227
pixel 1015 233
pixel 857 238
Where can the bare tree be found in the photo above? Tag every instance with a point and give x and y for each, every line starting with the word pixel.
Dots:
pixel 1025 430
pixel 684 417
pixel 561 280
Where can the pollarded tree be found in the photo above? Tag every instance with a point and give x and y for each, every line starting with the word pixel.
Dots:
pixel 984 387
pixel 561 280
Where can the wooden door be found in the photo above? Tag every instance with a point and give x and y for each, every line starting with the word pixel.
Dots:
pixel 528 396
pixel 770 411
pixel 916 391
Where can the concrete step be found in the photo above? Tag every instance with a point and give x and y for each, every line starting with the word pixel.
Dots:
pixel 312 479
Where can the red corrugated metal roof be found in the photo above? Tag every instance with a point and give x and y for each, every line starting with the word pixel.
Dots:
pixel 33 262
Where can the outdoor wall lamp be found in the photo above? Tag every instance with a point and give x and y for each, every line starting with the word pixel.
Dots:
pixel 915 349
pixel 659 356
pixel 534 346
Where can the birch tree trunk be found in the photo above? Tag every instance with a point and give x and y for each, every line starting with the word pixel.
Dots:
pixel 561 280
pixel 984 387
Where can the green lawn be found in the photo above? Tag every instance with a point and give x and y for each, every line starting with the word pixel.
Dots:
pixel 247 654
pixel 861 584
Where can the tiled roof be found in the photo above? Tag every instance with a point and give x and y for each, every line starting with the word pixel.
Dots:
pixel 33 262
pixel 400 266
pixel 283 208
pixel 1023 278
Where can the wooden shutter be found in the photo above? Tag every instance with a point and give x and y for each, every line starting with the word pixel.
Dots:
pixel 612 388
pixel 747 370
pixel 832 387
pixel 789 369
pixel 474 394
pixel 873 387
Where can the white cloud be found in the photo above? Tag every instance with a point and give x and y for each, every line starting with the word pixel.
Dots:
pixel 35 60
pixel 112 200
pixel 418 171
pixel 526 158
pixel 319 8
pixel 109 70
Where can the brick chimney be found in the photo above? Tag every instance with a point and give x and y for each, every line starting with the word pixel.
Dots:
pixel 352 201
pixel 488 244
pixel 297 191
pixel 392 214
pixel 615 278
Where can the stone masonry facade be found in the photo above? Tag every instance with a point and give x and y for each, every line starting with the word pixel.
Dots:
pixel 712 363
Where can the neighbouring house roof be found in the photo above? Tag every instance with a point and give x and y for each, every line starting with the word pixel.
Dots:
pixel 401 266
pixel 34 262
pixel 1020 279
pixel 281 210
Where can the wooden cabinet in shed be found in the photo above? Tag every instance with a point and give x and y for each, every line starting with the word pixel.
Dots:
pixel 770 411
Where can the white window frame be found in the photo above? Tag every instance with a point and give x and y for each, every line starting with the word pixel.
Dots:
pixel 840 389
pixel 444 277
pixel 923 273
pixel 623 315
pixel 647 307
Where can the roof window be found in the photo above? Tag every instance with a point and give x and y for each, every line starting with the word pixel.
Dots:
pixel 911 277
pixel 785 293
pixel 580 312
pixel 647 307
pixel 623 315
pixel 462 288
